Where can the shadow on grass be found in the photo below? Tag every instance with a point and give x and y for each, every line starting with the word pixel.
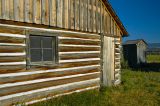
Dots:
pixel 149 67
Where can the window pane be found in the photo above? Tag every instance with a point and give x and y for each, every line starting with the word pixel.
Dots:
pixel 47 42
pixel 48 55
pixel 35 41
pixel 36 55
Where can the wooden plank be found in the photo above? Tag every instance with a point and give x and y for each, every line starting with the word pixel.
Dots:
pixel 45 12
pixel 78 42
pixel 105 21
pixel 79 60
pixel 66 14
pixel 1 9
pixel 7 64
pixel 73 49
pixel 65 38
pixel 12 59
pixel 6 39
pixel 37 11
pixel 69 14
pixel 77 8
pixel 81 14
pixel 99 16
pixel 11 31
pixel 97 10
pixel 53 12
pixel 102 18
pixel 88 15
pixel 94 15
pixel 6 69
pixel 7 9
pixel 79 56
pixel 81 36
pixel 59 13
pixel 11 10
pixel 109 24
pixel 27 10
pixel 21 10
pixel 11 49
pixel 45 92
pixel 72 4
pixel 85 15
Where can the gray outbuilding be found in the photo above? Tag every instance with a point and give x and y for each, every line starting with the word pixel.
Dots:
pixel 134 52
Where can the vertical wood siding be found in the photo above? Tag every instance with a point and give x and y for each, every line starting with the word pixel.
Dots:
pixel 84 15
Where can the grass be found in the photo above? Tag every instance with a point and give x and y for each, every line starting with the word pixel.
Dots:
pixel 140 87
pixel 153 58
pixel 137 89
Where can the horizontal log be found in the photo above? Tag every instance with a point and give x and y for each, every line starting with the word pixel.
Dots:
pixel 11 49
pixel 73 49
pixel 12 44
pixel 10 69
pixel 13 79
pixel 88 36
pixel 79 56
pixel 8 39
pixel 78 42
pixel 82 52
pixel 117 82
pixel 8 89
pixel 47 92
pixel 72 38
pixel 12 54
pixel 12 35
pixel 117 76
pixel 71 45
pixel 117 66
pixel 11 32
pixel 79 60
pixel 12 59
pixel 12 63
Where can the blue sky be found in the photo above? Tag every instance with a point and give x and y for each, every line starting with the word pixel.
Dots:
pixel 141 18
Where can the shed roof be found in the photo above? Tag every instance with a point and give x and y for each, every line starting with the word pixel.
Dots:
pixel 116 18
pixel 135 42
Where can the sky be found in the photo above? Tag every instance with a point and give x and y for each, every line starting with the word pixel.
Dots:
pixel 141 18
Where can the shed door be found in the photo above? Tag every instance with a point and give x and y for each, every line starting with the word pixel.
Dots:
pixel 108 60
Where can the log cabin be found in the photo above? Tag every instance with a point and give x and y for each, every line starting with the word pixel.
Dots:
pixel 50 48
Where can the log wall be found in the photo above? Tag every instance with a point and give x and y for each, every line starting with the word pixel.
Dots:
pixel 78 68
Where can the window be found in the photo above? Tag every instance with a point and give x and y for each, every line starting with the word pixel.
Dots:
pixel 43 50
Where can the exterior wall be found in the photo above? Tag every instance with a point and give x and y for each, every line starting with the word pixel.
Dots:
pixel 111 61
pixel 78 68
pixel 141 55
pixel 80 47
pixel 79 15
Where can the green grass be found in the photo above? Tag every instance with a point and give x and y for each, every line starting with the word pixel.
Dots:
pixel 137 89
pixel 153 58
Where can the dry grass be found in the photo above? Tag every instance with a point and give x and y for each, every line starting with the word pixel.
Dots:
pixel 153 58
